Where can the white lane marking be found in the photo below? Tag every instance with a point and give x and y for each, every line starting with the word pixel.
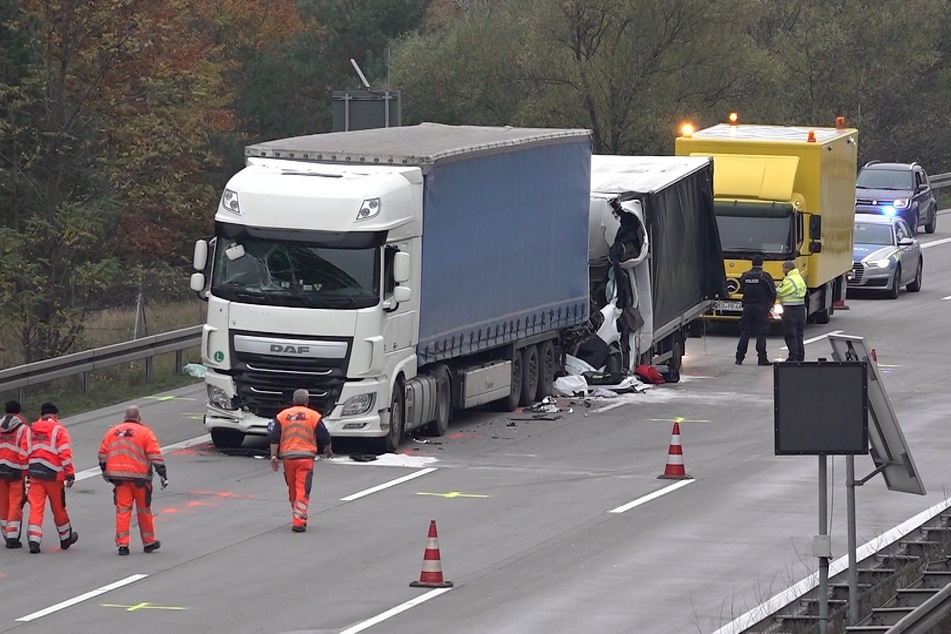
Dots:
pixel 96 471
pixel 81 598
pixel 386 485
pixel 948 297
pixel 388 460
pixel 652 496
pixel 818 338
pixel 934 243
pixel 784 598
pixel 607 408
pixel 379 618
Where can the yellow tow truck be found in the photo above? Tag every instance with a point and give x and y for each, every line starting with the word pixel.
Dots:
pixel 786 193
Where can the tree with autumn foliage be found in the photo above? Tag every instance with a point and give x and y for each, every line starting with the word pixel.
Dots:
pixel 107 114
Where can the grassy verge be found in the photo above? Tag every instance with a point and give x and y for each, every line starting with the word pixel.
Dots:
pixel 123 382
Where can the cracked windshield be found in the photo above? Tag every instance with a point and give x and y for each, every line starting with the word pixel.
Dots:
pixel 265 271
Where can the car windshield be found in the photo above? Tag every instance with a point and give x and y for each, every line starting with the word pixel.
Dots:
pixel 884 179
pixel 871 233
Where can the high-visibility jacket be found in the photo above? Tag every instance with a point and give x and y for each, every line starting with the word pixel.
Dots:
pixel 51 456
pixel 14 447
pixel 297 429
pixel 792 291
pixel 130 451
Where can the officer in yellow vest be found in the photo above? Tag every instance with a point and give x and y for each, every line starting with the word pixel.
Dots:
pixel 792 295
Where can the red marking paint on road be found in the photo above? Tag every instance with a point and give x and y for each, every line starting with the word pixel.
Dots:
pixel 463 434
pixel 221 495
pixel 195 450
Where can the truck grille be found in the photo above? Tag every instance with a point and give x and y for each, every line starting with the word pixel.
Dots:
pixel 265 384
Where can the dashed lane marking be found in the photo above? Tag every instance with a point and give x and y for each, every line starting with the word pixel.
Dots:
pixel 454 494
pixel 652 496
pixel 379 618
pixel 142 606
pixel 387 485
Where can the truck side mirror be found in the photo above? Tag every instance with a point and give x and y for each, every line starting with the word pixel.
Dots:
pixel 200 258
pixel 402 294
pixel 815 246
pixel 400 267
pixel 197 282
pixel 815 227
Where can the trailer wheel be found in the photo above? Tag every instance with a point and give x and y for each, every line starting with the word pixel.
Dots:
pixel 677 351
pixel 443 379
pixel 510 402
pixel 530 371
pixel 227 438
pixel 394 435
pixel 546 369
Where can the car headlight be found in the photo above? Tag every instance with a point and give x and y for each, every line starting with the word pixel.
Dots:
pixel 219 398
pixel 358 404
pixel 902 203
pixel 884 263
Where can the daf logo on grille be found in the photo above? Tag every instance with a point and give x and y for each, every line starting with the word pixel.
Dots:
pixel 288 349
pixel 732 285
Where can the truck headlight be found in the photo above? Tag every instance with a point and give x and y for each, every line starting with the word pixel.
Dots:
pixel 902 203
pixel 356 405
pixel 229 200
pixel 219 398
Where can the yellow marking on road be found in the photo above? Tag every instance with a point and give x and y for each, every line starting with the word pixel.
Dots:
pixel 681 419
pixel 453 494
pixel 145 605
pixel 194 416
pixel 169 397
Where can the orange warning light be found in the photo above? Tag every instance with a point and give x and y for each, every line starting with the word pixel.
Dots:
pixel 734 118
pixel 840 123
pixel 686 130
pixel 811 138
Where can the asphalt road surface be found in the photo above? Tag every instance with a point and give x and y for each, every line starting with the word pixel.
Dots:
pixel 543 525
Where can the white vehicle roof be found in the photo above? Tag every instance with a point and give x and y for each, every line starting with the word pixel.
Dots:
pixel 769 133
pixel 642 174
pixel 421 145
pixel 875 219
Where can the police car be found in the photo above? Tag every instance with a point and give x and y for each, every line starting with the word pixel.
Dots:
pixel 886 256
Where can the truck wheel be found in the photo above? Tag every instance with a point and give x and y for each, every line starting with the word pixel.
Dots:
pixel 510 402
pixel 394 436
pixel 443 379
pixel 546 369
pixel 824 316
pixel 227 438
pixel 529 375
pixel 677 352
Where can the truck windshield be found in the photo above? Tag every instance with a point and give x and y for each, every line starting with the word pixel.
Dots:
pixel 750 229
pixel 262 270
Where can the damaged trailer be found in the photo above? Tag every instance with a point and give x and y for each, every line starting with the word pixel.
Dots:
pixel 655 263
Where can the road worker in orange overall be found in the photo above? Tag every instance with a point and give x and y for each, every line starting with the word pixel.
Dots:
pixel 127 456
pixel 51 472
pixel 297 436
pixel 14 460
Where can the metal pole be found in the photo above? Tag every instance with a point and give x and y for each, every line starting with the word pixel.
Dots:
pixel 823 561
pixel 853 566
pixel 386 106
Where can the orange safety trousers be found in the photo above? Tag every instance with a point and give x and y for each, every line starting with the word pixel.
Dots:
pixel 55 492
pixel 125 494
pixel 299 475
pixel 12 499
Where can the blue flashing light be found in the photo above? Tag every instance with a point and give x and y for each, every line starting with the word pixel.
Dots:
pixel 888 210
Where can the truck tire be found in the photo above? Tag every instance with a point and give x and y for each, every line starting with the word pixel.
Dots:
pixel 510 402
pixel 530 370
pixel 677 351
pixel 227 438
pixel 546 369
pixel 394 436
pixel 440 425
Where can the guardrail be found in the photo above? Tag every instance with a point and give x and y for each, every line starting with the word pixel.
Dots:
pixel 940 180
pixel 147 348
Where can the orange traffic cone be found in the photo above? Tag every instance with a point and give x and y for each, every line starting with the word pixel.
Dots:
pixel 675 458
pixel 431 575
pixel 839 305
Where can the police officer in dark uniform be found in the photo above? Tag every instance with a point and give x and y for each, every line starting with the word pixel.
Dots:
pixel 759 294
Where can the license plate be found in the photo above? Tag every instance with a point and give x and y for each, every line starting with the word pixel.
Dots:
pixel 728 307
